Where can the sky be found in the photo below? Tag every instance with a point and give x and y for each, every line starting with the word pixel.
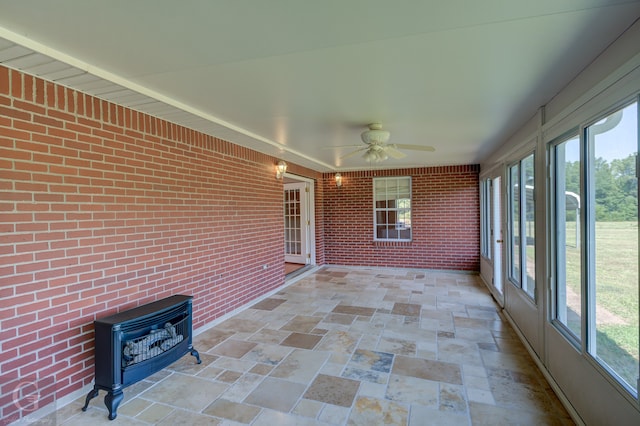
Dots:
pixel 617 143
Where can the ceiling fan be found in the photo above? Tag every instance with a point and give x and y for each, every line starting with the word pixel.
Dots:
pixel 378 149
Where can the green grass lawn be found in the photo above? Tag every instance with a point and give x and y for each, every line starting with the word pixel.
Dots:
pixel 616 287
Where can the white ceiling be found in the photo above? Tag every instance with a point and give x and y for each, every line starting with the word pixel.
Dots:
pixel 293 78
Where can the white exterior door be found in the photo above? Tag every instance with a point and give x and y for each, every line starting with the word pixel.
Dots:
pixel 497 237
pixel 296 223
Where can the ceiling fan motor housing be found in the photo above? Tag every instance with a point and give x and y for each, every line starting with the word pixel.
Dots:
pixel 375 135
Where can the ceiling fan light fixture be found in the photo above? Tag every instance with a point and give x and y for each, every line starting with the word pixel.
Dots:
pixel 375 154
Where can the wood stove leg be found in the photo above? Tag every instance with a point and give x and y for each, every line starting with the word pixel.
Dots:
pixel 112 401
pixel 94 392
pixel 196 354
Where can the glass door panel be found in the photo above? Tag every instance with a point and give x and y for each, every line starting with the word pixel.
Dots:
pixel 568 228
pixel 612 226
pixel 295 223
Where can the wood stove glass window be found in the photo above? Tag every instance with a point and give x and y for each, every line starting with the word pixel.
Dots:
pixel 392 209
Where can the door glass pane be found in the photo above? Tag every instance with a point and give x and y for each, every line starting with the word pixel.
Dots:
pixel 292 222
pixel 529 225
pixel 496 233
pixel 568 297
pixel 485 217
pixel 514 225
pixel 613 243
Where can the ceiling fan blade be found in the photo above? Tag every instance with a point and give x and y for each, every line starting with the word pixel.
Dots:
pixel 352 153
pixel 393 152
pixel 343 146
pixel 415 147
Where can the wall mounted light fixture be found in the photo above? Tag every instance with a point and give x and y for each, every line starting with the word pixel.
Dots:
pixel 338 178
pixel 281 169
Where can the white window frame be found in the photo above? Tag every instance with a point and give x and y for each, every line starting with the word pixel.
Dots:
pixel 485 218
pixel 586 342
pixel 377 209
pixel 558 261
pixel 520 281
pixel 588 188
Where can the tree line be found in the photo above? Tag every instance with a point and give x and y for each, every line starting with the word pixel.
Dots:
pixel 616 187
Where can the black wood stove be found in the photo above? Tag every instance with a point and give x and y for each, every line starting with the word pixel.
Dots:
pixel 136 343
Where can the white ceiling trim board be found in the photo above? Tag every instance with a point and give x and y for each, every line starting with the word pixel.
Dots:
pixel 25 47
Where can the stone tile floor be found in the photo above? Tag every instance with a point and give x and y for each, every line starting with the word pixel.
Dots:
pixel 349 346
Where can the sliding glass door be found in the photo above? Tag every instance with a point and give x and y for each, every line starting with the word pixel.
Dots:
pixel 595 242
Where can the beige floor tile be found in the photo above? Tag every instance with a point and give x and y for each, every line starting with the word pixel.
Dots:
pixel 155 413
pixel 210 372
pixel 242 387
pixel 233 348
pixel 490 415
pixel 427 369
pixel 267 354
pixel 369 411
pixel 373 390
pixel 459 351
pixel 332 369
pixel 300 366
pixel 234 364
pixel 63 413
pixel 339 341
pixel 397 346
pixel 333 414
pixel 189 365
pixel 483 396
pixel 333 390
pixel 276 394
pixel 98 417
pixel 229 376
pixel 239 325
pixel 262 369
pixel 180 391
pixel 308 408
pixel 188 418
pixel 269 336
pixel 210 338
pixel 421 416
pixel 134 407
pixel 348 346
pixel 407 309
pixel 354 310
pixel 301 340
pixel 225 409
pixel 412 390
pixel 343 319
pixel 273 418
pixel 268 304
pixel 301 324
pixel 452 398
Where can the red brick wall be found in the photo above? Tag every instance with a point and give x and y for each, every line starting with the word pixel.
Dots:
pixel 445 218
pixel 103 208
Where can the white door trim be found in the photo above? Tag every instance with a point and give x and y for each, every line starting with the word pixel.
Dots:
pixel 311 216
